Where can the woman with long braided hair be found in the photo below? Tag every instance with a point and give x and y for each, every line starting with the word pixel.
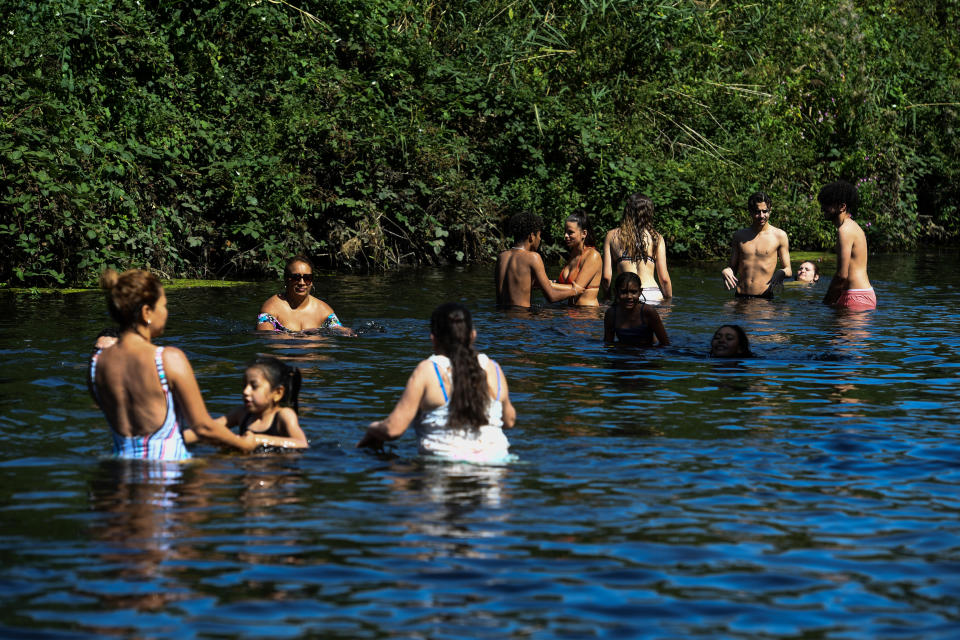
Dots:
pixel 636 246
pixel 457 399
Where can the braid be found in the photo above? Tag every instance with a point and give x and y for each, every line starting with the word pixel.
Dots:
pixel 452 327
pixel 469 397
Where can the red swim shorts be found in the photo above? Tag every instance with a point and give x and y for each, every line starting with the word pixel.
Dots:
pixel 857 300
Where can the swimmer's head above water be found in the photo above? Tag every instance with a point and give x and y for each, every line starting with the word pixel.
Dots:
pixel 730 341
pixel 135 297
pixel 808 272
pixel 628 289
pixel 524 223
pixel 281 379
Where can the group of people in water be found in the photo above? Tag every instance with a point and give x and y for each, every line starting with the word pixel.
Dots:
pixel 636 252
pixel 457 399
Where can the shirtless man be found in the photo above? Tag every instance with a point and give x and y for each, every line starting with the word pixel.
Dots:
pixel 850 287
pixel 520 269
pixel 754 254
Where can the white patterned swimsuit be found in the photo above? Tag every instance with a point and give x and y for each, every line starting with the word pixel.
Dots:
pixel 486 444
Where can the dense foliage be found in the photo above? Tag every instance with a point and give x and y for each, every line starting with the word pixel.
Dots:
pixel 214 138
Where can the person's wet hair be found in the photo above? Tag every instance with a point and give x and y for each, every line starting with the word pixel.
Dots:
pixel 279 374
pixel 524 223
pixel 108 332
pixel 128 292
pixel 583 221
pixel 637 218
pixel 743 342
pixel 756 199
pixel 452 328
pixel 838 193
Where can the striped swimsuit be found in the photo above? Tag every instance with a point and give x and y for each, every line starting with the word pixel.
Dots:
pixel 166 443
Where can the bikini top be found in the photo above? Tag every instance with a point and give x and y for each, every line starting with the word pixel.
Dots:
pixel 572 276
pixel 625 257
pixel 272 430
pixel 166 443
pixel 331 321
pixel 436 419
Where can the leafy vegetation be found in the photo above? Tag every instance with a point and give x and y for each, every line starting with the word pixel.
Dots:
pixel 213 138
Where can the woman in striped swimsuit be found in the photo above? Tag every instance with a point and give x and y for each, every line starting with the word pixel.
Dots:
pixel 149 394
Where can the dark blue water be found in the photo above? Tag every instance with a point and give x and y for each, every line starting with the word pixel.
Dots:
pixel 811 491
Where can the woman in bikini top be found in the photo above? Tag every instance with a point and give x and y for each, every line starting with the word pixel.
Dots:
pixel 636 247
pixel 585 263
pixel 295 309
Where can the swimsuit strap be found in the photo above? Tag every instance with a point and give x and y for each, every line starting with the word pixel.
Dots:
pixel 440 378
pixel 158 358
pixel 93 374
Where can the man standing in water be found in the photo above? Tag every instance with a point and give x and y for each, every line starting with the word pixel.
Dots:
pixel 850 287
pixel 754 253
pixel 521 268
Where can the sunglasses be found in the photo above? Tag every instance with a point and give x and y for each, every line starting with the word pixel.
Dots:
pixel 296 277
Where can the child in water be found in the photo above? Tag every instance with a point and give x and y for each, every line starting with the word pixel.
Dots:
pixel 629 320
pixel 457 398
pixel 266 382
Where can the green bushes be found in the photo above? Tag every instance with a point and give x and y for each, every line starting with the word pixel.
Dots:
pixel 213 139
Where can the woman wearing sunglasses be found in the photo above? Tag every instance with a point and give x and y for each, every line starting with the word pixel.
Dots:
pixel 295 309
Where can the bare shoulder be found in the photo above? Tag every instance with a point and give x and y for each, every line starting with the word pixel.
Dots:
pixel 175 361
pixel 533 258
pixel 288 415
pixel 322 308
pixel 272 305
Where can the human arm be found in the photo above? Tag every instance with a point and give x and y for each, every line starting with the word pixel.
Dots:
pixel 660 264
pixel 607 276
pixel 840 281
pixel 729 277
pixel 267 315
pixel 592 267
pixel 609 318
pixel 327 319
pixel 393 426
pixel 509 412
pixel 190 401
pixel 288 423
pixel 783 251
pixel 656 323
pixel 554 292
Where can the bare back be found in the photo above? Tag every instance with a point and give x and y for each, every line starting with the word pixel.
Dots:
pixel 857 277
pixel 623 260
pixel 515 277
pixel 128 388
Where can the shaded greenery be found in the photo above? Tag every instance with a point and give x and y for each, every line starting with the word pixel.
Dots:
pixel 213 139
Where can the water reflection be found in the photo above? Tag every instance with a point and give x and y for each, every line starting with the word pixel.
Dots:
pixel 467 500
pixel 139 525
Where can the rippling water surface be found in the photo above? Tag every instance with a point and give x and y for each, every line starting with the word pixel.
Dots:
pixel 811 491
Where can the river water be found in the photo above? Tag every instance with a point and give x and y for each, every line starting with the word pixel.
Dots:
pixel 811 491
